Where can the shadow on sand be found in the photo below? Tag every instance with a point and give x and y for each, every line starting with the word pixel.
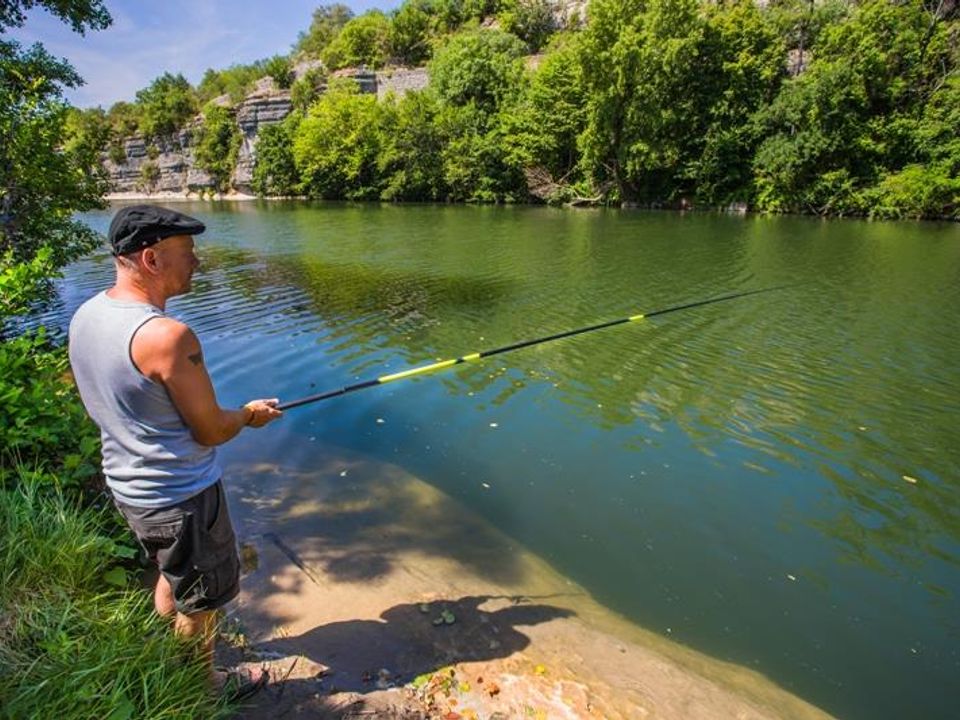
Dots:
pixel 359 657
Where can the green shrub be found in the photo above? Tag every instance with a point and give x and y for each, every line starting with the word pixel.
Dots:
pixel 217 145
pixel 165 105
pixel 337 146
pixel 149 175
pixel 41 419
pixel 279 68
pixel 365 40
pixel 274 170
pixel 308 88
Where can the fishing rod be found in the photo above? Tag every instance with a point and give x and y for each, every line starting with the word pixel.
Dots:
pixel 383 379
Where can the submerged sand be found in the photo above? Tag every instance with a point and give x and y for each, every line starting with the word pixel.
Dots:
pixel 369 593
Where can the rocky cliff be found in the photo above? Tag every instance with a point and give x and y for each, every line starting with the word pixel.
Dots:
pixel 166 165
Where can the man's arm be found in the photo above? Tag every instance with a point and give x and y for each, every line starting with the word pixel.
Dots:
pixel 168 352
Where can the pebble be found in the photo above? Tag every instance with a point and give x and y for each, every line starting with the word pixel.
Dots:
pixel 343 473
pixel 380 421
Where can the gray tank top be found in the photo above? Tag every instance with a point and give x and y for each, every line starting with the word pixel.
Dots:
pixel 150 459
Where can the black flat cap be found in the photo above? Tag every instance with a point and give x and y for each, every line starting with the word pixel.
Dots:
pixel 135 227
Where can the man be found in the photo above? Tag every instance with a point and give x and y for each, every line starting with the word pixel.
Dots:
pixel 142 379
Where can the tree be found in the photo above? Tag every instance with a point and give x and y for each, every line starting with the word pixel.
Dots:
pixel 547 123
pixel 325 25
pixel 81 15
pixel 857 117
pixel 46 169
pixel 278 67
pixel 217 143
pixel 411 163
pixel 337 145
pixel 410 32
pixel 530 20
pixel 747 67
pixel 365 40
pixel 274 170
pixel 480 67
pixel 166 104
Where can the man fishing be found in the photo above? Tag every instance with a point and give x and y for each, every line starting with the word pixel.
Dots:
pixel 142 379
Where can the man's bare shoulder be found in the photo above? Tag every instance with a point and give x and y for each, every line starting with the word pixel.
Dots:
pixel 164 333
pixel 161 343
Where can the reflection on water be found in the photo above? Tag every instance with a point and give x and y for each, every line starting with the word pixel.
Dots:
pixel 732 476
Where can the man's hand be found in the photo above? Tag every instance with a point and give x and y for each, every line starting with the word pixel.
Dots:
pixel 260 412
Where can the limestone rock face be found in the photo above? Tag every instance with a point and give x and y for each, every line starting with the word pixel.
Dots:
pixel 262 107
pixel 167 164
pixel 159 165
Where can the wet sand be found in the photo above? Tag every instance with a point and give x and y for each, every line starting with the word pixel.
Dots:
pixel 369 593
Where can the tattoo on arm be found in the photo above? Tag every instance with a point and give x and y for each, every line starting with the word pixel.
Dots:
pixel 196 358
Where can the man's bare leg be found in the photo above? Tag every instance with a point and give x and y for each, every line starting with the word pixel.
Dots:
pixel 163 599
pixel 203 623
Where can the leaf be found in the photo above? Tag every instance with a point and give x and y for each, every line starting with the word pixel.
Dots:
pixel 123 710
pixel 116 576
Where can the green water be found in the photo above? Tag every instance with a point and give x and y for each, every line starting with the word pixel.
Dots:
pixel 731 477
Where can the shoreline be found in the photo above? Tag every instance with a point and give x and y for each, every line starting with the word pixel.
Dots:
pixel 370 592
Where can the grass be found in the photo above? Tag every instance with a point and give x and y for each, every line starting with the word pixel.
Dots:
pixel 71 646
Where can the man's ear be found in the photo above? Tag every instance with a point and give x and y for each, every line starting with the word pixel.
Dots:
pixel 150 260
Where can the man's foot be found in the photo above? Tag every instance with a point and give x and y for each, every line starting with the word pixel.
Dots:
pixel 240 683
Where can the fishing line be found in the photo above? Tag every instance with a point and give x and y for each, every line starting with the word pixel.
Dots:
pixel 471 357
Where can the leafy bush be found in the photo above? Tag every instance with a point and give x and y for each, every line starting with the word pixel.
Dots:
pixel 41 419
pixel 325 25
pixel 165 105
pixel 149 175
pixel 530 20
pixel 411 162
pixel 337 145
pixel 279 68
pixel 307 88
pixel 274 170
pixel 365 40
pixel 480 67
pixel 217 145
pixel 410 32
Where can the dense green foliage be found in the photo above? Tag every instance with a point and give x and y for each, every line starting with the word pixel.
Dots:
pixel 326 23
pixel 365 40
pixel 337 145
pixel 49 169
pixel 275 173
pixel 217 142
pixel 68 647
pixel 166 104
pixel 832 107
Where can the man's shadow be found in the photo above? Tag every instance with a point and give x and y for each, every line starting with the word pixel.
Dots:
pixel 414 639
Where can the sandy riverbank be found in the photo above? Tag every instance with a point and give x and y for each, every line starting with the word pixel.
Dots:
pixel 162 197
pixel 374 595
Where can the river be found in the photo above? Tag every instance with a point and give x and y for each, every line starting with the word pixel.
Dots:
pixel 772 480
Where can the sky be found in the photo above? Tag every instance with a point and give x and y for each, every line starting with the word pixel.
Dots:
pixel 147 39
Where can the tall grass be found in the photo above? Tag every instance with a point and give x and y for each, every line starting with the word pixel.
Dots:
pixel 70 647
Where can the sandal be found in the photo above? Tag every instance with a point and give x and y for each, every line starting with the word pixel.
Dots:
pixel 244 683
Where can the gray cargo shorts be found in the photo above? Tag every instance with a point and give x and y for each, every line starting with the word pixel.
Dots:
pixel 194 546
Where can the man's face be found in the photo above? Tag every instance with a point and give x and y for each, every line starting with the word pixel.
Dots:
pixel 177 262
